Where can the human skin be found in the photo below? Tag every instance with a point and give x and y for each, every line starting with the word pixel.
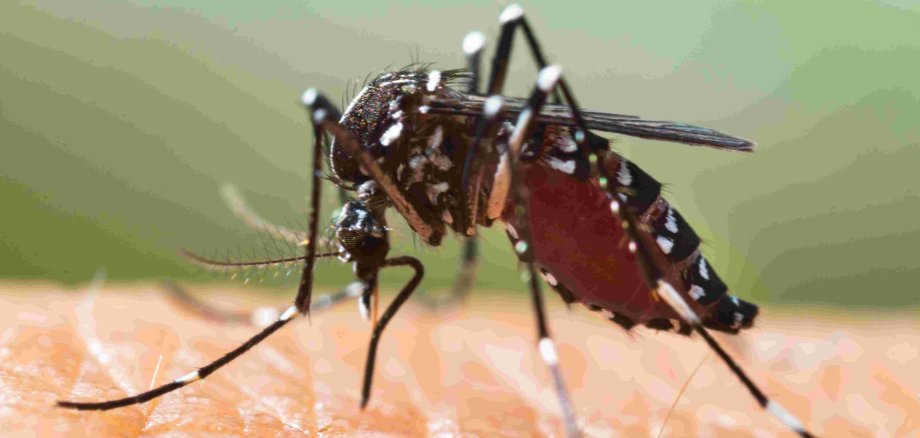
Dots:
pixel 472 370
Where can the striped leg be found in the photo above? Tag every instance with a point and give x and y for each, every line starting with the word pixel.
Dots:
pixel 322 302
pixel 485 128
pixel 658 281
pixel 463 282
pixel 655 275
pixel 473 43
pixel 466 274
pixel 512 18
pixel 301 305
pixel 205 371
pixel 380 325
pixel 305 288
pixel 193 376
pixel 546 82
pixel 325 118
pixel 259 317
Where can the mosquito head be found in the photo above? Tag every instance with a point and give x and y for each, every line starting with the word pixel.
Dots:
pixel 361 234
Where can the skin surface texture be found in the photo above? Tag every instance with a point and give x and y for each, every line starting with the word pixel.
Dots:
pixel 464 371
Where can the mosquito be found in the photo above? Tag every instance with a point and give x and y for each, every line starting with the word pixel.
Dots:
pixel 447 155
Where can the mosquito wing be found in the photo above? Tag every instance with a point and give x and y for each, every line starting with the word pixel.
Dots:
pixel 607 122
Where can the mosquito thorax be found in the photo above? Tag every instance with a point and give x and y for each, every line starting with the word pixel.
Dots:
pixel 422 152
pixel 371 113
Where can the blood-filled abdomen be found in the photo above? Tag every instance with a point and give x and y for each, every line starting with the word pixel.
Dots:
pixel 582 250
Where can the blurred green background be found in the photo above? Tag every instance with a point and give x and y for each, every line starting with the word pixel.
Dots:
pixel 121 119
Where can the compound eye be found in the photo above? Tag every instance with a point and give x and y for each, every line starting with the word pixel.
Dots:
pixel 360 233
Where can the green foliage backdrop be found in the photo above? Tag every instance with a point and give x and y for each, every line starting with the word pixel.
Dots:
pixel 119 120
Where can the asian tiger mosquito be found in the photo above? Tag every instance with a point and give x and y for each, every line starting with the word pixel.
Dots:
pixel 444 158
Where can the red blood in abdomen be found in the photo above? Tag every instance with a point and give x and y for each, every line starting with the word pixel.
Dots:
pixel 578 239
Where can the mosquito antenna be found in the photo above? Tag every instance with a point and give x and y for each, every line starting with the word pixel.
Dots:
pixel 220 265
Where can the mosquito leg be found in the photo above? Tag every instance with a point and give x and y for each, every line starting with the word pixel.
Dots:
pixel 659 280
pixel 510 19
pixel 546 81
pixel 300 306
pixel 548 353
pixel 325 117
pixel 463 282
pixel 256 317
pixel 472 48
pixel 466 275
pixel 305 288
pixel 193 376
pixel 387 315
pixel 485 128
pixel 676 301
pixel 203 372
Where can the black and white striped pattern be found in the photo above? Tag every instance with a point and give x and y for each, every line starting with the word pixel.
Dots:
pixel 731 314
pixel 639 192
pixel 680 244
pixel 547 79
pixel 560 152
pixel 673 234
pixel 191 377
pixel 639 189
pixel 706 287
pixel 567 296
pixel 676 301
